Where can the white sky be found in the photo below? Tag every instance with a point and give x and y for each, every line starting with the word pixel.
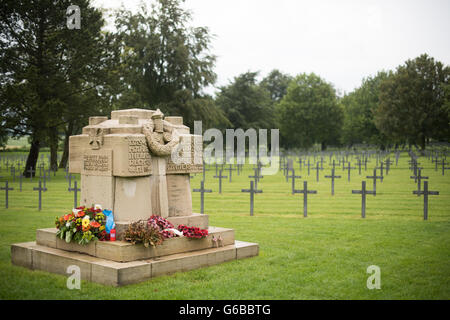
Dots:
pixel 342 41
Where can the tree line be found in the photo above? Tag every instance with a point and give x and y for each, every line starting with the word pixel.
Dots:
pixel 54 78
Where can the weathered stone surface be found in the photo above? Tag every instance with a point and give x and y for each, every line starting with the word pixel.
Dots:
pixel 22 254
pixel 246 249
pixel 192 260
pixel 46 237
pixel 115 273
pixel 132 200
pixel 96 120
pixel 97 190
pixel 158 182
pixel 107 272
pixel 179 195
pixel 77 145
pixel 57 261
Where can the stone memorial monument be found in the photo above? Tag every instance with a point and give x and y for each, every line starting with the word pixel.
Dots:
pixel 137 164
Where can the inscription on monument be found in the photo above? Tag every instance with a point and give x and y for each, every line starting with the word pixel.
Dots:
pixel 189 158
pixel 139 160
pixel 97 162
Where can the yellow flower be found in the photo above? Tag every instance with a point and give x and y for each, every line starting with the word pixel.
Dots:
pixel 86 221
pixel 102 228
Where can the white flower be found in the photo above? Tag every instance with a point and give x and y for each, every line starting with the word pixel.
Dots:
pixel 75 212
pixel 177 232
pixel 98 206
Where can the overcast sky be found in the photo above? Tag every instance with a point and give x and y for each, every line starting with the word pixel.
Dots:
pixel 341 41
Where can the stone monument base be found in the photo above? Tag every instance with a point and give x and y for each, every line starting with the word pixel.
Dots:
pixel 119 263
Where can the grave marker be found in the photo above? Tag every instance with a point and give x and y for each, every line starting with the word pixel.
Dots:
pixel 333 176
pixel 418 178
pixel 7 189
pixel 40 189
pixel 425 193
pixel 252 196
pixel 202 191
pixel 220 176
pixel 305 192
pixel 230 169
pixel 374 178
pixel 349 168
pixel 75 189
pixel 363 193
pixel 293 177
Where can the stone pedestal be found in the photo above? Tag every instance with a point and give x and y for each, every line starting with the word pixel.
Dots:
pixel 124 167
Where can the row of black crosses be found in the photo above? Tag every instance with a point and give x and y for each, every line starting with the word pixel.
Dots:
pixel 219 175
pixel 417 176
pixel 44 176
pixel 287 166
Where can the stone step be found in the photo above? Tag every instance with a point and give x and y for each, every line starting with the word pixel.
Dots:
pixel 122 251
pixel 38 257
pixel 194 220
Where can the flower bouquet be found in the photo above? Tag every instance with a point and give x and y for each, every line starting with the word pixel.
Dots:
pixel 82 225
pixel 156 229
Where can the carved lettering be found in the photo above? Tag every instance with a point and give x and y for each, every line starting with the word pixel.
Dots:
pixel 139 160
pixel 98 162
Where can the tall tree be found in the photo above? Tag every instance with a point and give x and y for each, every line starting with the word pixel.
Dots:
pixel 309 113
pixel 412 100
pixel 45 68
pixel 276 83
pixel 247 104
pixel 359 107
pixel 166 63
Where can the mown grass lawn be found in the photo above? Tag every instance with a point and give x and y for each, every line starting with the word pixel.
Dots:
pixel 323 256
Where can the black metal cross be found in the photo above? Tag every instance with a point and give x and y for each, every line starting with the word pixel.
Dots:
pixel 289 167
pixel 305 192
pixel 349 168
pixel 31 171
pixel 332 180
pixel 6 188
pixel 202 191
pixel 425 193
pixel 70 176
pixel 414 167
pixel 256 176
pixel 252 196
pixel 13 173
pixel 418 178
pixel 388 163
pixel 204 170
pixel 299 161
pixel 321 163
pixel 443 163
pixel 293 177
pixel 317 168
pixel 230 170
pixel 20 181
pixel 40 189
pixel 363 193
pixel 436 162
pixel 75 189
pixel 220 176
pixel 359 166
pixel 374 178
